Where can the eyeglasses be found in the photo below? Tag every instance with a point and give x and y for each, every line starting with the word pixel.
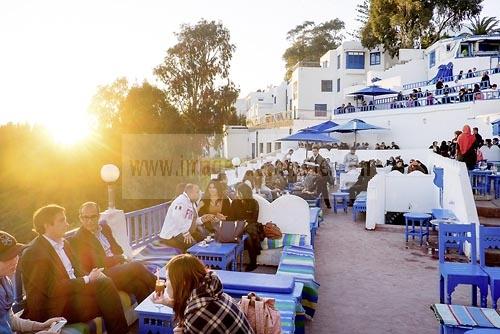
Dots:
pixel 90 217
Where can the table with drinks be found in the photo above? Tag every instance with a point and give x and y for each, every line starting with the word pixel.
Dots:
pixel 215 255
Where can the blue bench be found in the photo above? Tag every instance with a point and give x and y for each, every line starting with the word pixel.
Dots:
pixel 359 204
pixel 283 289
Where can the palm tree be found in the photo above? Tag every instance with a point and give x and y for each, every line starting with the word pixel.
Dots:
pixel 483 26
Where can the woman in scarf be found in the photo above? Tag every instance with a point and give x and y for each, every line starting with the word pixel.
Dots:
pixel 466 148
pixel 9 322
pixel 200 306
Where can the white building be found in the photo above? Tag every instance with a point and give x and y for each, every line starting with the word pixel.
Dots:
pixel 316 89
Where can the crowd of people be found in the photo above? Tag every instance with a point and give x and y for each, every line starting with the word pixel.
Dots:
pixel 79 278
pixel 357 146
pixel 468 147
pixel 76 279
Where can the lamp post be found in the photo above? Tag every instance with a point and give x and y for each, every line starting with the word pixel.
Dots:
pixel 236 161
pixel 109 174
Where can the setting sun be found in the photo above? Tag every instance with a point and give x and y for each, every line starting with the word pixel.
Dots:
pixel 68 131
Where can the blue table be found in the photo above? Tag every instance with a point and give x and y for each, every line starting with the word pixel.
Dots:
pixel 154 319
pixel 418 222
pixel 340 201
pixel 216 255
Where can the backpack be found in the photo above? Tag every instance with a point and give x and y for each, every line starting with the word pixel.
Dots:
pixel 272 231
pixel 261 314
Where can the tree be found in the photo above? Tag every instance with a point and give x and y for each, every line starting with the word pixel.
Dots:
pixel 195 72
pixel 311 41
pixel 450 14
pixel 483 26
pixel 146 110
pixel 362 16
pixel 106 103
pixel 398 24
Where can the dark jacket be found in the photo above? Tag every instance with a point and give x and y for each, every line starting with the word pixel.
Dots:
pixel 322 163
pixel 46 281
pixel 89 251
pixel 226 207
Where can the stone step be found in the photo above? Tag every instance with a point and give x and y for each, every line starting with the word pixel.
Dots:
pixel 488 209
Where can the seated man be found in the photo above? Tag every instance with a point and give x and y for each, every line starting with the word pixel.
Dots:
pixel 56 286
pixel 182 227
pixel 351 160
pixel 95 247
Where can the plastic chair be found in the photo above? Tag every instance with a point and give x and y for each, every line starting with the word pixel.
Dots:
pixel 452 273
pixel 489 238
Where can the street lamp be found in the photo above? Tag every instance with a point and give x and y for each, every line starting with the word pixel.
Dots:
pixel 236 162
pixel 109 174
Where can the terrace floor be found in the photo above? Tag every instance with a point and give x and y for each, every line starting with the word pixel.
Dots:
pixel 372 283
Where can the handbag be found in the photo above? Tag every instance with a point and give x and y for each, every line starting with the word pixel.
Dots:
pixel 261 314
pixel 229 231
pixel 272 231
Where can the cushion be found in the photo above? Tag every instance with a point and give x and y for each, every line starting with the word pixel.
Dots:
pixel 285 240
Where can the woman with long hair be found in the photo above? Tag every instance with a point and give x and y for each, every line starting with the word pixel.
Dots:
pixel 200 306
pixel 215 202
pixel 245 207
pixel 444 149
pixel 466 147
pixel 249 178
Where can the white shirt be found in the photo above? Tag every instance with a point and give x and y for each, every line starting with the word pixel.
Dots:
pixel 490 153
pixel 350 160
pixel 104 242
pixel 59 248
pixel 179 217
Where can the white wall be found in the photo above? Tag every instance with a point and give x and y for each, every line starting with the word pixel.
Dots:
pixel 236 143
pixel 419 127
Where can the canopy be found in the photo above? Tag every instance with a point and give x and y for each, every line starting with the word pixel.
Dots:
pixel 354 125
pixel 310 136
pixel 445 72
pixel 374 90
pixel 320 127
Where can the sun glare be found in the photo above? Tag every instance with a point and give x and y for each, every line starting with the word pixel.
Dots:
pixel 69 131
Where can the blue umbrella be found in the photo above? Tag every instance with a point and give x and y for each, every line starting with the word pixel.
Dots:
pixel 374 90
pixel 320 127
pixel 310 136
pixel 354 125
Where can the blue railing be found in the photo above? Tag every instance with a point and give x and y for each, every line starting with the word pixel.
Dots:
pixel 435 92
pixel 144 226
pixel 462 76
pixel 453 98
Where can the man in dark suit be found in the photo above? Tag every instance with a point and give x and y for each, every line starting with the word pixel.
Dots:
pixel 56 285
pixel 323 174
pixel 95 247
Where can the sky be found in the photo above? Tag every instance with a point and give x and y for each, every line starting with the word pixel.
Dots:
pixel 55 53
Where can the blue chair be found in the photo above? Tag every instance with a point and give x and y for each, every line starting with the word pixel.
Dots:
pixel 479 181
pixel 422 219
pixel 489 238
pixel 340 201
pixel 453 273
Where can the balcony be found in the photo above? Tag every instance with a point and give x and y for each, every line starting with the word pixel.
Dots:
pixel 306 64
pixel 276 120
